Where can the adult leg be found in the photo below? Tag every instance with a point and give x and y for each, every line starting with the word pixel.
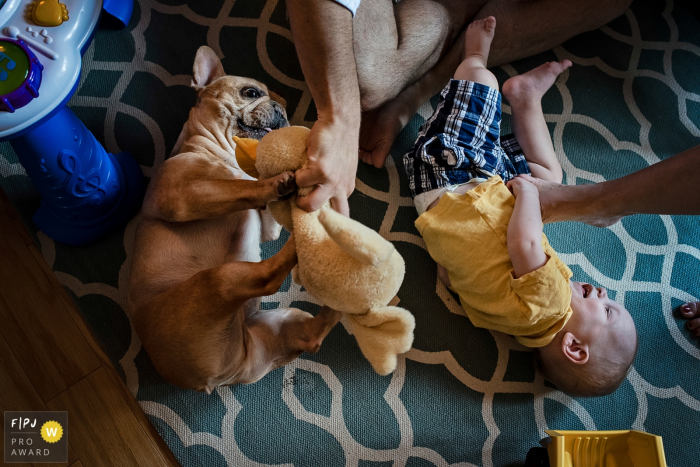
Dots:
pixel 396 44
pixel 661 188
pixel 397 76
pixel 524 93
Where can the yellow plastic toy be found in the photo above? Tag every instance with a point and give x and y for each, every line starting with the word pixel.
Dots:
pixel 48 13
pixel 625 448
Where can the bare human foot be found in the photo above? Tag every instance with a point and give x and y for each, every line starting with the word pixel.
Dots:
pixel 581 203
pixel 477 40
pixel 691 312
pixel 380 127
pixel 532 86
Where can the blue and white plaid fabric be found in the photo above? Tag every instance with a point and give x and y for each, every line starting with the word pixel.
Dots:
pixel 462 141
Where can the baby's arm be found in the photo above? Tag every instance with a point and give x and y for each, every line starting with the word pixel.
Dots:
pixel 525 228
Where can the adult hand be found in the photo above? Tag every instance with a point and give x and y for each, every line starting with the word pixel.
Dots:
pixel 331 165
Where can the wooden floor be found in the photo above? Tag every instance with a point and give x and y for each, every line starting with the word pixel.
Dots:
pixel 49 360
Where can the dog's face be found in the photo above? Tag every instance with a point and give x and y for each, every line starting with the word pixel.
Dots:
pixel 245 106
pixel 242 107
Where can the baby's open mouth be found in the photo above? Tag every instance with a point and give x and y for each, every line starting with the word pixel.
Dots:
pixel 586 289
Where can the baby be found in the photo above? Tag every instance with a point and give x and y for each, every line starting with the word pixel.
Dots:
pixel 486 235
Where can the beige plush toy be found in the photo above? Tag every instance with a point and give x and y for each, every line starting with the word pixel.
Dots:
pixel 342 263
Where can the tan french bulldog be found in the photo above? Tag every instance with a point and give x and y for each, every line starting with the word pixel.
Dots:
pixel 196 276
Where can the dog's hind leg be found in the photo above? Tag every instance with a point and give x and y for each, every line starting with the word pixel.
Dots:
pixel 281 335
pixel 197 334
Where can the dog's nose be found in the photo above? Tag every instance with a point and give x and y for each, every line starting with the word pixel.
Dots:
pixel 279 120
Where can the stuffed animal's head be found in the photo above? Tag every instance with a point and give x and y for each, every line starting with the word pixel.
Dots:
pixel 282 150
pixel 279 151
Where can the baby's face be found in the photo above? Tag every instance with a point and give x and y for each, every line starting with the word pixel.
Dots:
pixel 599 320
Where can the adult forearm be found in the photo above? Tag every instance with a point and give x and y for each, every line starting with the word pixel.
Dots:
pixel 322 32
pixel 666 187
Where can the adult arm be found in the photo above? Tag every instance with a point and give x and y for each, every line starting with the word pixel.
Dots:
pixel 322 32
pixel 666 187
pixel 524 237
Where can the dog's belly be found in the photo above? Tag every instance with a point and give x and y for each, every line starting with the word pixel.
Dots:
pixel 167 254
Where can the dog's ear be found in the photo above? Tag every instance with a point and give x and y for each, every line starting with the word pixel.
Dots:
pixel 277 98
pixel 207 68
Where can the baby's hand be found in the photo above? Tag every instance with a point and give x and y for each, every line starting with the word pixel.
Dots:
pixel 520 184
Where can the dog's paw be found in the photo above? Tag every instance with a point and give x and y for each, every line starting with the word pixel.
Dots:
pixel 276 188
pixel 286 185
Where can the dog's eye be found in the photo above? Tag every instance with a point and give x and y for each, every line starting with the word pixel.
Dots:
pixel 251 92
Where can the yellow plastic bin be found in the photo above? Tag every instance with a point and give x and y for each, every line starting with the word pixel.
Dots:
pixel 625 448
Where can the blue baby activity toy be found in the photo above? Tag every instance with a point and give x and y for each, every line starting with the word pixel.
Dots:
pixel 86 191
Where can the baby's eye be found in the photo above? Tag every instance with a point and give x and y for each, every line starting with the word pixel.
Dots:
pixel 607 311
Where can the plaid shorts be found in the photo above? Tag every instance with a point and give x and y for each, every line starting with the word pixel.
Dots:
pixel 461 141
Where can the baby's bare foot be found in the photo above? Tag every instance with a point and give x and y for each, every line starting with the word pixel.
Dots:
pixel 533 84
pixel 691 312
pixel 477 39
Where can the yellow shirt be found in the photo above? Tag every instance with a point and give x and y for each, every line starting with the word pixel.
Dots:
pixel 466 234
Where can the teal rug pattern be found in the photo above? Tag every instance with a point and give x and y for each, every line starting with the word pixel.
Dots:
pixel 461 396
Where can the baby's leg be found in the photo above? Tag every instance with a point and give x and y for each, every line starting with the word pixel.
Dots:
pixel 524 93
pixel 691 312
pixel 476 53
pixel 478 37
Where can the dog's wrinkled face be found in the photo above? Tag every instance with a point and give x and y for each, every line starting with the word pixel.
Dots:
pixel 247 107
pixel 238 106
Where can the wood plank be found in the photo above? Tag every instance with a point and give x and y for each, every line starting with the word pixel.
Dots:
pixel 75 313
pixel 7 211
pixel 36 325
pixel 154 436
pixel 76 464
pixel 18 393
pixel 68 303
pixel 103 430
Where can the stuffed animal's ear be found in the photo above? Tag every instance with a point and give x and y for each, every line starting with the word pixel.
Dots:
pixel 207 68
pixel 355 239
pixel 279 99
pixel 382 334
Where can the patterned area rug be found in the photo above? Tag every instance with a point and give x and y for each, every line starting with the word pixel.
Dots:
pixel 461 396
